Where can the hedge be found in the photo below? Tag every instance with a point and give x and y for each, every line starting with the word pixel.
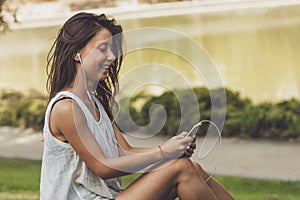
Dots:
pixel 280 120
pixel 19 110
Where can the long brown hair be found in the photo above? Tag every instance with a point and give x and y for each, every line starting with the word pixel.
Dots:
pixel 73 36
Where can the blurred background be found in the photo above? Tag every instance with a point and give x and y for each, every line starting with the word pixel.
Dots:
pixel 254 44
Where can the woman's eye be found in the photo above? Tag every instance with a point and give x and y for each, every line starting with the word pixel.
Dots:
pixel 103 50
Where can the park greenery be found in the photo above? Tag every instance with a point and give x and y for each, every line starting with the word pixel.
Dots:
pixel 19 179
pixel 264 120
pixel 20 110
pixel 3 24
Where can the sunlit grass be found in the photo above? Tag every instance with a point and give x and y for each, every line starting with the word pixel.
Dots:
pixel 253 189
pixel 19 179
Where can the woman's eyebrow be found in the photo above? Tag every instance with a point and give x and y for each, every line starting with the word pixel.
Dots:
pixel 102 43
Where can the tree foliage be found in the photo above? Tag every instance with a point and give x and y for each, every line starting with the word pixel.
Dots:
pixel 17 109
pixel 245 119
pixel 3 24
pixel 267 120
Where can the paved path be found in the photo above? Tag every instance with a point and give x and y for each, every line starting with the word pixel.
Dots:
pixel 15 142
pixel 246 158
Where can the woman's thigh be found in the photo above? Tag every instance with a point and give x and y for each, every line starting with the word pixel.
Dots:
pixel 157 184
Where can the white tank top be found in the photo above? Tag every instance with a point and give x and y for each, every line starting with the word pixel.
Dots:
pixel 64 176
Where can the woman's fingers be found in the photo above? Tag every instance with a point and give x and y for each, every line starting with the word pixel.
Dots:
pixel 190 149
pixel 193 145
pixel 189 152
pixel 177 145
pixel 182 134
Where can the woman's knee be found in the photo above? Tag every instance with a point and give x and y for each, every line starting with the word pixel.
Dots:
pixel 178 167
pixel 183 165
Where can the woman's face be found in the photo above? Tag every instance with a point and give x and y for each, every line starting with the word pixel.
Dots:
pixel 97 56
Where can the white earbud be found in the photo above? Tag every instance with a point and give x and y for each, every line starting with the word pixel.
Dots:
pixel 79 57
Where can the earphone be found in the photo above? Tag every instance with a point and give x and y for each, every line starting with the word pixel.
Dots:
pixel 90 97
pixel 88 93
pixel 80 60
pixel 191 133
pixel 113 100
pixel 79 57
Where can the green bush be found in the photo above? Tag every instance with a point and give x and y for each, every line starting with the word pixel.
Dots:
pixel 16 109
pixel 235 113
pixel 279 120
pixel 7 117
pixel 8 101
pixel 243 118
pixel 30 113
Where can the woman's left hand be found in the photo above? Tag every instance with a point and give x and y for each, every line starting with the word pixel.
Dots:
pixel 190 150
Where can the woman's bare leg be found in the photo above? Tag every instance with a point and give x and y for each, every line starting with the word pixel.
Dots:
pixel 219 191
pixel 181 175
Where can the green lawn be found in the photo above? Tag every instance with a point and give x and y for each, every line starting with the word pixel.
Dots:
pixel 19 179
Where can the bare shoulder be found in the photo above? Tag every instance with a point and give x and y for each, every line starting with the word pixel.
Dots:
pixel 63 108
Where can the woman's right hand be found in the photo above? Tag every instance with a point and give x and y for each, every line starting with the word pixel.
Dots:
pixel 176 146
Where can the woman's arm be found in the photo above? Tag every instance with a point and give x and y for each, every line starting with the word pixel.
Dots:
pixel 70 121
pixel 124 145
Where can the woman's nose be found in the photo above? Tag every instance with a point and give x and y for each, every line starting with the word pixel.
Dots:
pixel 110 55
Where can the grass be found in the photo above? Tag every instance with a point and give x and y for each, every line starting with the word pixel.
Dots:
pixel 253 189
pixel 19 179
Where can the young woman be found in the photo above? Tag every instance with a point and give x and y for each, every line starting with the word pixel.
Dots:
pixel 85 154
